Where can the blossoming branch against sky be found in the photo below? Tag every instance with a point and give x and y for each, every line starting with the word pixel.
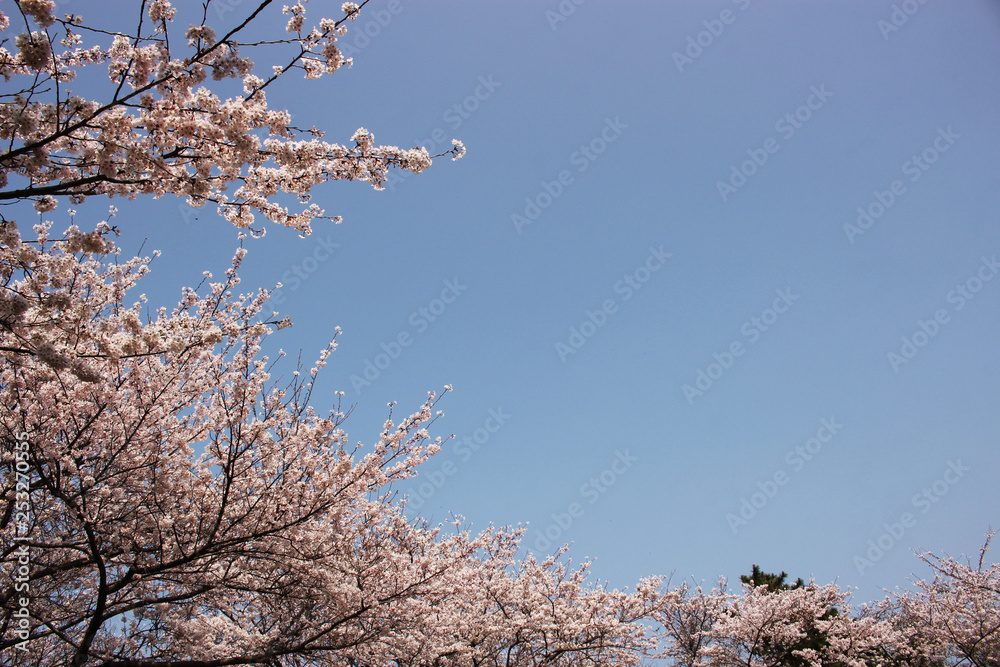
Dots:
pixel 801 200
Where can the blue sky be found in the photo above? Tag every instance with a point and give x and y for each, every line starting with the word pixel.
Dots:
pixel 620 131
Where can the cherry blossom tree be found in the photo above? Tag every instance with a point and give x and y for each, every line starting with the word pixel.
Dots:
pixel 165 500
pixel 160 129
pixel 186 509
pixel 687 619
pixel 791 652
pixel 954 618
pixel 808 625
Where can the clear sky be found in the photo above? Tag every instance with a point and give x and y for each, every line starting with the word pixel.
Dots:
pixel 674 339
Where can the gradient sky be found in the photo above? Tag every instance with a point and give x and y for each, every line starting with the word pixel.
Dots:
pixel 622 145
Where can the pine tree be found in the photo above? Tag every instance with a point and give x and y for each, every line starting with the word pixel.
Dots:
pixel 786 654
pixel 774 582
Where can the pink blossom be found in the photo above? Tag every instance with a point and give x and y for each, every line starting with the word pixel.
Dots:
pixel 169 134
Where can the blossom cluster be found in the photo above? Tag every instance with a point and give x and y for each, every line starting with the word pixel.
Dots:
pixel 952 620
pixel 163 130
